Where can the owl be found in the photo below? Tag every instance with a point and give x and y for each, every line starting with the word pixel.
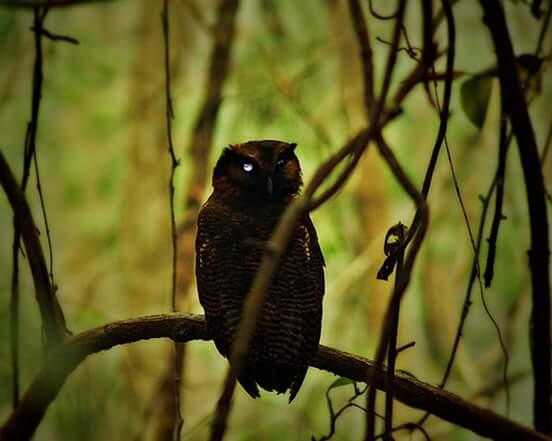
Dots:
pixel 253 183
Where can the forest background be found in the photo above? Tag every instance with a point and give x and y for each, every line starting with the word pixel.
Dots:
pixel 294 74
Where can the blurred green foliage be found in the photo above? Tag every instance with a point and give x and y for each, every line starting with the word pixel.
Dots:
pixel 295 76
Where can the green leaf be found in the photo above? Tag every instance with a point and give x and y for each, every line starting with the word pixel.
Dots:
pixel 341 381
pixel 475 94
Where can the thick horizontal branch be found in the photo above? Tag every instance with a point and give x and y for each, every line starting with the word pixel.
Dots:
pixel 60 362
pixel 184 327
pixel 445 405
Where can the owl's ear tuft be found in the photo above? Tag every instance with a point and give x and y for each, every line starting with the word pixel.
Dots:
pixel 221 168
pixel 229 151
pixel 291 146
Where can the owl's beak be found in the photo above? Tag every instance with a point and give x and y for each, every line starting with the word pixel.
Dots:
pixel 269 185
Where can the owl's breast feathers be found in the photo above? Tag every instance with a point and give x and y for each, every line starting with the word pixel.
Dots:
pixel 229 249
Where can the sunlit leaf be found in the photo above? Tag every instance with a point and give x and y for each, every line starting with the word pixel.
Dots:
pixel 475 94
pixel 341 381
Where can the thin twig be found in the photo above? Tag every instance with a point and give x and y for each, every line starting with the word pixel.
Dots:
pixel 14 316
pixel 444 113
pixel 544 30
pixel 467 298
pixel 469 229
pixel 38 77
pixel 204 126
pixel 45 219
pixel 169 115
pixel 480 283
pixel 334 416
pixel 55 37
pixel 412 52
pixel 56 329
pixel 378 107
pixel 340 180
pixel 50 310
pixel 475 266
pixel 390 66
pixel 540 42
pixel 539 253
pixel 398 292
pixel 447 93
pixel 498 216
pixel 381 16
pixel 474 273
pixel 399 234
pixel 411 427
pixel 366 54
pixel 420 219
pixel 406 346
pixel 28 152
pixel 428 28
pixel 546 147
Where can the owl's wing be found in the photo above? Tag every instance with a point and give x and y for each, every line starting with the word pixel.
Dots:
pixel 317 262
pixel 310 307
pixel 219 282
pixel 211 254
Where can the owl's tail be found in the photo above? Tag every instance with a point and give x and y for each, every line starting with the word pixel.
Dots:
pixel 248 383
pixel 272 376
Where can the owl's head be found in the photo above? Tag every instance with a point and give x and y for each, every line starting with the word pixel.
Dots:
pixel 265 169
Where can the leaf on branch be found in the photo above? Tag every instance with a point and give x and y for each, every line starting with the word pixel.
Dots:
pixel 475 94
pixel 341 381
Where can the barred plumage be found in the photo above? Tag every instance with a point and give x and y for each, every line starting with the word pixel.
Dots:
pixel 253 183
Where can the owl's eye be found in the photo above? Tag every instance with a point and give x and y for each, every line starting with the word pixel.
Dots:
pixel 247 167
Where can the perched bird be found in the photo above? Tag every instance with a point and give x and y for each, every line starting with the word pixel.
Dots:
pixel 253 183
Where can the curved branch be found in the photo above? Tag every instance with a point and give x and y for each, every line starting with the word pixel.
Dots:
pixel 50 310
pixel 185 327
pixel 420 395
pixel 63 360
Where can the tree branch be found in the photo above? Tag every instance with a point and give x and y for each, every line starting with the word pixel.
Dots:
pixel 173 424
pixel 50 310
pixel 62 361
pixel 366 54
pixel 539 253
pixel 498 215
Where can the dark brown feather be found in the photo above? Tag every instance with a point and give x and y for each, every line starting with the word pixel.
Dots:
pixel 233 226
